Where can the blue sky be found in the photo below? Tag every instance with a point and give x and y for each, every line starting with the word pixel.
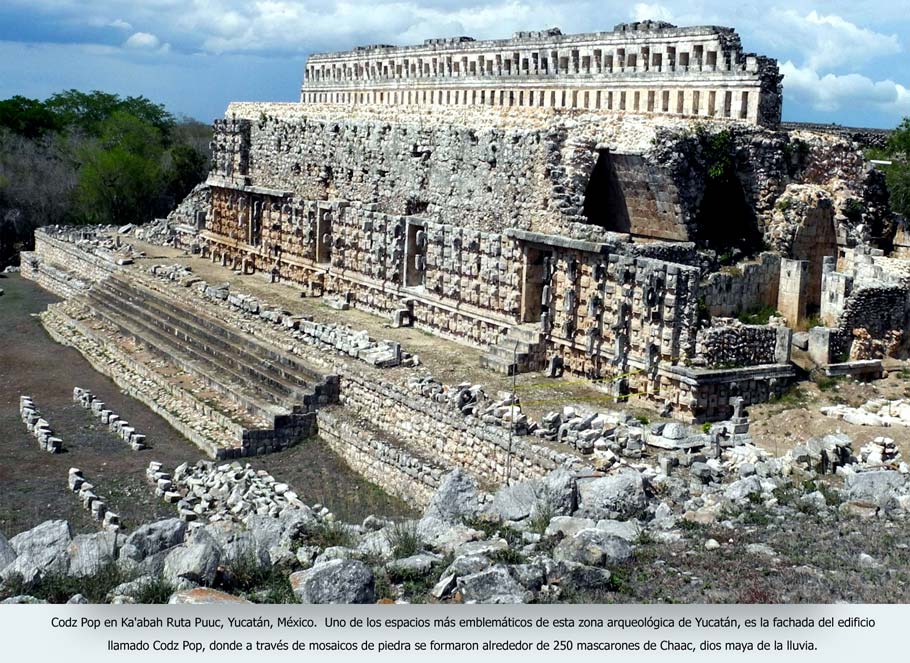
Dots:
pixel 844 61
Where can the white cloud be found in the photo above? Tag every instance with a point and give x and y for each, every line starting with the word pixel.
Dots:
pixel 643 11
pixel 120 24
pixel 831 93
pixel 142 40
pixel 828 41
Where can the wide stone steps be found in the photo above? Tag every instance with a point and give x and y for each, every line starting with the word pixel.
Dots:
pixel 187 359
pixel 254 376
pixel 284 366
pixel 237 357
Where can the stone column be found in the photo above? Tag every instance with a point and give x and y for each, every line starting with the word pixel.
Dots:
pixel 792 295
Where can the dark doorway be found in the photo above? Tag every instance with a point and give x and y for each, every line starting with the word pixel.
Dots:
pixel 415 255
pixel 725 221
pixel 534 282
pixel 323 235
pixel 605 202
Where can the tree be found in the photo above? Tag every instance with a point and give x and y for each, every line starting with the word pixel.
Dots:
pixel 899 142
pixel 28 117
pixel 897 175
pixel 88 111
pixel 120 180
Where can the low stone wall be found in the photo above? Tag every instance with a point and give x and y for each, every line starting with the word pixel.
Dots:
pixel 389 466
pixel 448 437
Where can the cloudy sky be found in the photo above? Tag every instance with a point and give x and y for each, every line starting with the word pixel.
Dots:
pixel 844 61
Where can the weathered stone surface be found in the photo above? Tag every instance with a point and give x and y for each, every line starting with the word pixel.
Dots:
pixel 153 538
pixel 743 488
pixel 515 502
pixel 486 547
pixel 338 581
pixel 235 545
pixel 456 498
pixel 419 564
pixel 579 577
pixel 554 494
pixel 567 525
pixel 875 486
pixel 277 535
pixel 133 588
pixel 494 585
pixel 205 596
pixel 593 547
pixel 620 495
pixel 7 554
pixel 629 530
pixel 445 537
pixel 22 599
pixel 40 551
pixel 195 563
pixel 464 565
pixel 91 553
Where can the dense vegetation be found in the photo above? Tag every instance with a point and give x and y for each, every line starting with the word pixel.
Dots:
pixel 92 157
pixel 898 173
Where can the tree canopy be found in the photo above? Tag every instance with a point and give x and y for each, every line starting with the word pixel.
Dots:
pixel 897 174
pixel 92 157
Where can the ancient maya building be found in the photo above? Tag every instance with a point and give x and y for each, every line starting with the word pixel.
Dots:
pixel 603 204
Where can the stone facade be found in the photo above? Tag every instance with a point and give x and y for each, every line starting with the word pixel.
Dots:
pixel 645 67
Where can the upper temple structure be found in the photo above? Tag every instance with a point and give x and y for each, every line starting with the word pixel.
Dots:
pixel 625 207
pixel 650 66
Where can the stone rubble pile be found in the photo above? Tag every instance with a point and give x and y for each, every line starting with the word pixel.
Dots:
pixel 217 492
pixel 823 455
pixel 877 412
pixel 115 424
pixel 882 451
pixel 472 401
pixel 157 231
pixel 546 539
pixel 176 272
pixel 102 241
pixel 85 491
pixel 38 426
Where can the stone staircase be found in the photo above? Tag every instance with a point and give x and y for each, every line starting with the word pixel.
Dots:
pixel 521 349
pixel 267 382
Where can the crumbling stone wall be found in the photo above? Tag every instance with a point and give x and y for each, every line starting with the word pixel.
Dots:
pixel 873 313
pixel 729 344
pixel 64 267
pixel 435 432
pixel 747 286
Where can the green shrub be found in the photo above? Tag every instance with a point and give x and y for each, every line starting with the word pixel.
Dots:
pixel 404 539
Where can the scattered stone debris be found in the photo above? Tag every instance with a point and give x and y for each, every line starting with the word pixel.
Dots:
pixel 118 426
pixel 38 426
pixel 546 539
pixel 91 502
pixel 228 491
pixel 877 412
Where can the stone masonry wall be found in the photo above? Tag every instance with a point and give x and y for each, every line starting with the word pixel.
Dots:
pixel 653 66
pixel 747 286
pixel 390 467
pixel 449 439
pixel 734 344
